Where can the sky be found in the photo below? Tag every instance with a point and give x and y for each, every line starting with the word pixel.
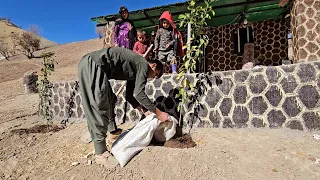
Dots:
pixel 65 21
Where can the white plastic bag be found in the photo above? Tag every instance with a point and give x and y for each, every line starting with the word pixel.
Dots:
pixel 166 130
pixel 134 140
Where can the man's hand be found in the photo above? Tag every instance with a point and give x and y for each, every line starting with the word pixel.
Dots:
pixel 147 113
pixel 162 116
pixel 168 46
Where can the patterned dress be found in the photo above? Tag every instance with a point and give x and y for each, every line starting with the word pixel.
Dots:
pixel 124 34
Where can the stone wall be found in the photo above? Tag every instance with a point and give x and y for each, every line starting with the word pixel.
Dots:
pixel 274 97
pixel 305 26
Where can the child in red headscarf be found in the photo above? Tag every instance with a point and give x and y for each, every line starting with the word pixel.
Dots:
pixel 168 41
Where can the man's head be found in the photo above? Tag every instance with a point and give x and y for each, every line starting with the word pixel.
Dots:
pixel 156 68
pixel 165 23
pixel 141 35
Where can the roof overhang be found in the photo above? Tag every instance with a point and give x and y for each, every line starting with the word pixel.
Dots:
pixel 226 12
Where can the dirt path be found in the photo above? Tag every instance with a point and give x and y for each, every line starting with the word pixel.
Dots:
pixel 219 154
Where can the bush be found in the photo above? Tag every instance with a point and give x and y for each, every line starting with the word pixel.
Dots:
pixel 4 49
pixel 29 41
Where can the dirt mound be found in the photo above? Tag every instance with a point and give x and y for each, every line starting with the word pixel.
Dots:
pixel 39 128
pixel 184 141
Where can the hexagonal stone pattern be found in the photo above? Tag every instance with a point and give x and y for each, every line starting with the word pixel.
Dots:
pixel 294 124
pixel 257 122
pixel 225 106
pixel 203 124
pixel 274 95
pixel 134 115
pixel 306 72
pixel 257 84
pixel 317 64
pixel 276 118
pixel 240 94
pixel 226 86
pixel 270 45
pixel 157 83
pixel 213 97
pixel 273 74
pixel 309 96
pixel 241 76
pixel 227 123
pixel 305 14
pixel 203 111
pixel 167 87
pixel 240 116
pixel 257 105
pixel 158 94
pixel 291 106
pixel 311 120
pixel 289 83
pixel 288 68
pixel 215 119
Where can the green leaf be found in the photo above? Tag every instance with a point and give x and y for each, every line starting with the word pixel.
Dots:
pixel 182 16
pixel 192 3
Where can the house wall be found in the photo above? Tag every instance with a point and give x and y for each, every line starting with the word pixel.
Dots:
pixel 270 45
pixel 273 97
pixel 270 40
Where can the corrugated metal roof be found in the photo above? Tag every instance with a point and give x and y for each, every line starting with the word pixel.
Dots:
pixel 226 12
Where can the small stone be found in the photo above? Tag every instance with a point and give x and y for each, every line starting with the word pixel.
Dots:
pixel 75 163
pixel 11 155
pixel 89 162
pixel 31 138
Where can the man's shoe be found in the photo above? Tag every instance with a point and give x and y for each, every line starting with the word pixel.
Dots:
pixel 106 160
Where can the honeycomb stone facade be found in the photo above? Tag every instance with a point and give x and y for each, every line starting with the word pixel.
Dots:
pixel 274 97
pixel 108 35
pixel 270 45
pixel 305 25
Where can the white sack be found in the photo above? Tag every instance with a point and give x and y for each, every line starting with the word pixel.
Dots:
pixel 133 141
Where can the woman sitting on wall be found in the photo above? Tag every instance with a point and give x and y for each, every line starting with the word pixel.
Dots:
pixel 124 30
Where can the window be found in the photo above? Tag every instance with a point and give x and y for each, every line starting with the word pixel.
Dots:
pixel 241 36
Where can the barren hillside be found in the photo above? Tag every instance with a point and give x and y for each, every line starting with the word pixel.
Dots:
pixel 67 57
pixel 7 28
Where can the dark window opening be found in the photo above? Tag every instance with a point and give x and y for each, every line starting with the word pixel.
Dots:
pixel 241 36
